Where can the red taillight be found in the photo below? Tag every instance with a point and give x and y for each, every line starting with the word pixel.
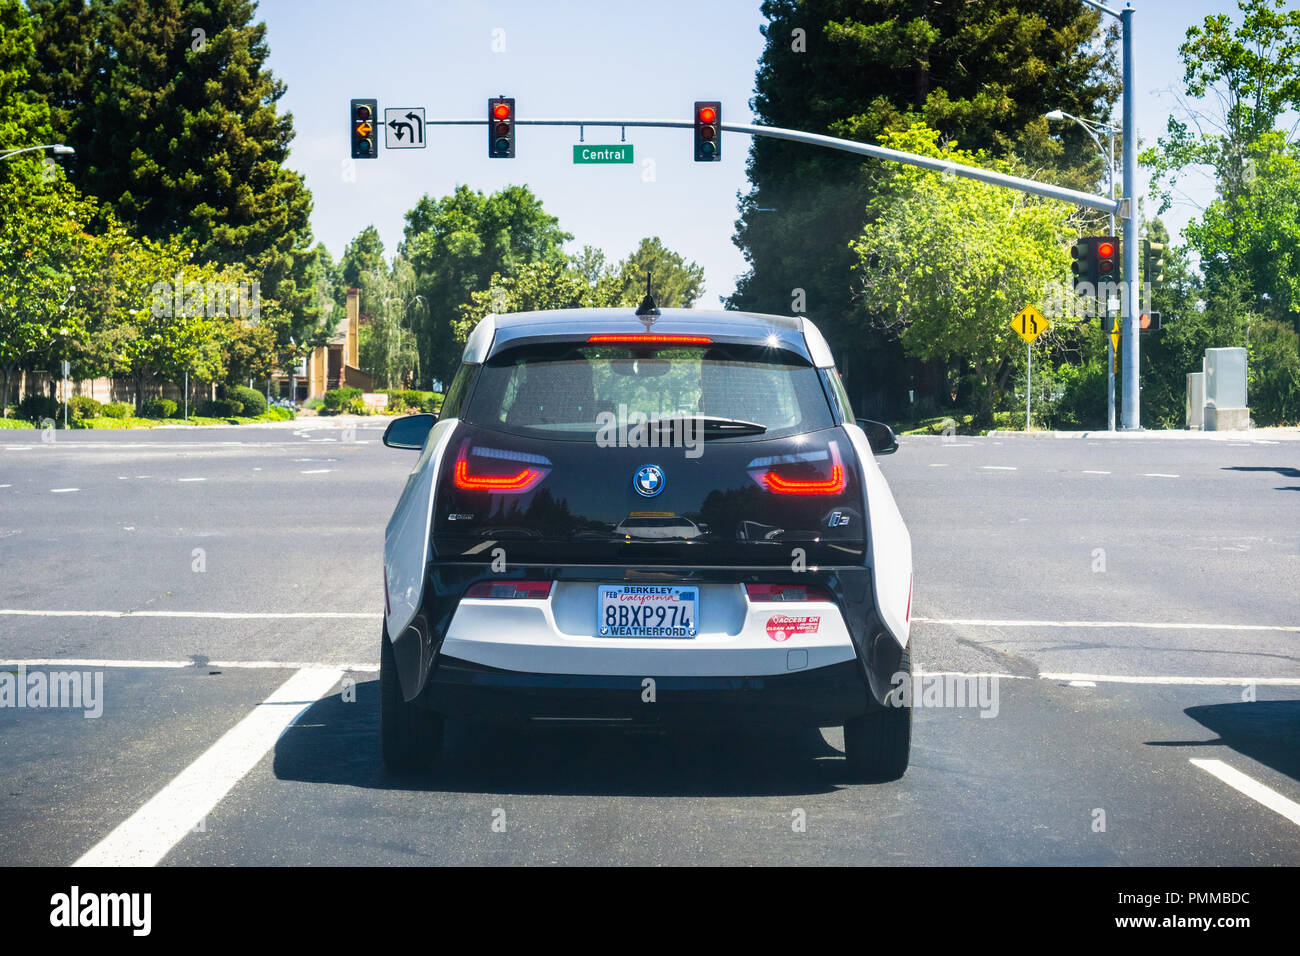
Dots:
pixel 781 485
pixel 511 590
pixel 509 484
pixel 786 592
pixel 650 340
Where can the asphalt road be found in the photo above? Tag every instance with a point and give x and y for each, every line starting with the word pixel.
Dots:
pixel 1136 600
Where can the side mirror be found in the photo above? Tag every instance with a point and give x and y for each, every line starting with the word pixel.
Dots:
pixel 409 431
pixel 880 436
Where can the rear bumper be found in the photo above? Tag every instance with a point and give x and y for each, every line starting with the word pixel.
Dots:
pixel 823 697
pixel 464 656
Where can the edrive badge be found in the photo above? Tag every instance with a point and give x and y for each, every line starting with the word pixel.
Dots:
pixel 649 481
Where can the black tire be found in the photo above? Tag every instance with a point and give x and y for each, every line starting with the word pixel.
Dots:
pixel 410 736
pixel 878 745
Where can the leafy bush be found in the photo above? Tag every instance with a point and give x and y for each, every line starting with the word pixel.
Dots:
pixel 357 406
pixel 432 404
pixel 117 410
pixel 15 423
pixel 220 408
pixel 157 408
pixel 313 403
pixel 36 406
pixel 254 402
pixel 83 406
pixel 337 399
pixel 280 413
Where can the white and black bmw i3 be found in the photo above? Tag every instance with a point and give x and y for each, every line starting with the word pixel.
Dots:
pixel 646 518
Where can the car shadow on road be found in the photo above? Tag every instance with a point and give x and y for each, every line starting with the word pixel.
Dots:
pixel 337 742
pixel 1286 471
pixel 1266 731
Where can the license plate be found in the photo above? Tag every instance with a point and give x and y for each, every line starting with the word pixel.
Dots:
pixel 647 610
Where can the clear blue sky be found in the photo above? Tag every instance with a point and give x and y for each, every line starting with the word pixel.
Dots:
pixel 599 59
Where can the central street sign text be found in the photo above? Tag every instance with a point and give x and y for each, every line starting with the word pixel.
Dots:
pixel 584 153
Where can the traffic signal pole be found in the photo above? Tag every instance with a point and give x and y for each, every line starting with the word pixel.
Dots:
pixel 1132 416
pixel 1033 186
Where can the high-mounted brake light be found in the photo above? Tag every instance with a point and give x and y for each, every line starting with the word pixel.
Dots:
pixel 785 592
pixel 781 485
pixel 510 484
pixel 649 340
pixel 511 590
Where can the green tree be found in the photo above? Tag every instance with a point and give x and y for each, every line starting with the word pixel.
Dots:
pixel 456 244
pixel 948 261
pixel 393 309
pixel 66 32
pixel 44 249
pixel 981 73
pixel 187 137
pixel 675 282
pixel 24 113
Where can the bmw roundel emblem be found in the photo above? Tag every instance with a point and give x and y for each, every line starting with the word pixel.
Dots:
pixel 649 481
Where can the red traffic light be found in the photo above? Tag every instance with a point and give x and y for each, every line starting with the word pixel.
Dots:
pixel 501 111
pixel 708 114
pixel 1106 250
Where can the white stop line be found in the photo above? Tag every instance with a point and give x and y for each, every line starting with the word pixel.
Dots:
pixel 149 834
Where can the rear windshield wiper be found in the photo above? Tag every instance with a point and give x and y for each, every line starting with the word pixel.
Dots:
pixel 714 426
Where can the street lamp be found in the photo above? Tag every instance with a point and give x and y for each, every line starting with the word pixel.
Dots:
pixel 59 150
pixel 1108 157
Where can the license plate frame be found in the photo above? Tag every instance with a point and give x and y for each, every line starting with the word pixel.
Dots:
pixel 661 612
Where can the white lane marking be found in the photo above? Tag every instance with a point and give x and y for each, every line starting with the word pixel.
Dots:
pixel 214 615
pixel 1188 681
pixel 61 491
pixel 316 471
pixel 998 467
pixel 6 486
pixel 1096 472
pixel 937 465
pixel 95 662
pixel 1156 474
pixel 1081 683
pixel 1140 625
pixel 149 834
pixel 191 479
pixel 1251 788
pixel 18 447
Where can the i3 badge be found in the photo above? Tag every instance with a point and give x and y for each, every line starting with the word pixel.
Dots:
pixel 649 481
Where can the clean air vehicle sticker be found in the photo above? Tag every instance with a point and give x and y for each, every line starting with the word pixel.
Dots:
pixel 781 626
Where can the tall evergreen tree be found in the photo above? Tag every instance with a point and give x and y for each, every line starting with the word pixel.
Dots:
pixel 187 137
pixel 65 38
pixel 24 114
pixel 983 74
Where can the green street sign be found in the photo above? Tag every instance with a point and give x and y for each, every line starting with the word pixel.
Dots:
pixel 589 153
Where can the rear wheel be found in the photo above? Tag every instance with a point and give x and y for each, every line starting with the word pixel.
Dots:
pixel 410 736
pixel 878 744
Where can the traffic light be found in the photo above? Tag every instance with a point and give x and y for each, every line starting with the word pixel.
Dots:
pixel 501 128
pixel 1148 321
pixel 708 131
pixel 1084 266
pixel 1107 260
pixel 1154 267
pixel 365 142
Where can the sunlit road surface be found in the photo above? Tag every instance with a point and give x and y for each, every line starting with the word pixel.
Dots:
pixel 1127 609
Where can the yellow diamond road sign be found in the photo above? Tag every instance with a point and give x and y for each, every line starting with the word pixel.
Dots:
pixel 1029 324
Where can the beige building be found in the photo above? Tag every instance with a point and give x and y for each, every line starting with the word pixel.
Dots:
pixel 335 364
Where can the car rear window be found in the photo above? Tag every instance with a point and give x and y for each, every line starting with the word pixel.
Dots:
pixel 568 390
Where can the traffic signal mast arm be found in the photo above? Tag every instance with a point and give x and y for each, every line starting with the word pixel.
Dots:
pixel 1088 200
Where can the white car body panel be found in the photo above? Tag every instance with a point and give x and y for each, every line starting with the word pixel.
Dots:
pixel 406 539
pixel 888 541
pixel 558 636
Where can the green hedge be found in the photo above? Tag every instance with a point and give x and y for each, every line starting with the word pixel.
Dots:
pixel 253 401
pixel 220 408
pixel 337 399
pixel 36 406
pixel 83 406
pixel 158 408
pixel 117 410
